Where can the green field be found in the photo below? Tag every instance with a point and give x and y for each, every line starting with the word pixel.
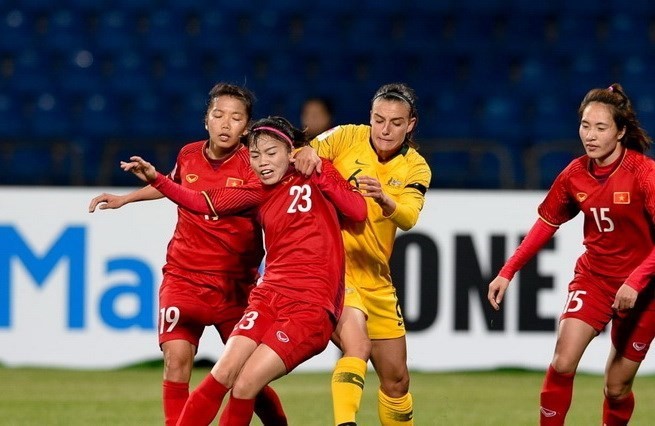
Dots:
pixel 132 397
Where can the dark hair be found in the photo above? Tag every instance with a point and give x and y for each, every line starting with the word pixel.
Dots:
pixel 323 101
pixel 402 93
pixel 277 127
pixel 624 115
pixel 234 91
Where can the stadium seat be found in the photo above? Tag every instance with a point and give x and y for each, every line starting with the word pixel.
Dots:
pixel 164 31
pixel 628 33
pixel 50 118
pixel 553 117
pixel 545 161
pixel 115 31
pixel 66 29
pixel 98 117
pixel 16 27
pixel 11 126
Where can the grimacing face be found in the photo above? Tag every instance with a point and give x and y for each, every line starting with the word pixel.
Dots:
pixel 390 123
pixel 599 135
pixel 269 158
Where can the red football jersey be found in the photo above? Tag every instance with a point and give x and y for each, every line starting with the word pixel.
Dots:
pixel 206 243
pixel 619 212
pixel 304 249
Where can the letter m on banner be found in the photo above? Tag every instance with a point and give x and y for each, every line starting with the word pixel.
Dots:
pixel 69 245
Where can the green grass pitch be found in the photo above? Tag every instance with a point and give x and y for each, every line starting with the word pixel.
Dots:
pixel 131 396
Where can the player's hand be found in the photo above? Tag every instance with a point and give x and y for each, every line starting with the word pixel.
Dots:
pixel 306 161
pixel 497 290
pixel 106 201
pixel 140 168
pixel 625 298
pixel 371 188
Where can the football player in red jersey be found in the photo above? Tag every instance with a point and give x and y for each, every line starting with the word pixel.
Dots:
pixel 613 185
pixel 294 310
pixel 211 262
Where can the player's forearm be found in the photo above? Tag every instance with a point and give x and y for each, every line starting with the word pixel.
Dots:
pixel 537 237
pixel 404 213
pixel 146 193
pixel 184 197
pixel 642 275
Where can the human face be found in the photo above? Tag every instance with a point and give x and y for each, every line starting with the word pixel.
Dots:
pixel 315 118
pixel 225 122
pixel 599 134
pixel 390 123
pixel 269 158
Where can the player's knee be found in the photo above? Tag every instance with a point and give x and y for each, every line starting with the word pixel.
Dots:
pixel 564 364
pixel 617 389
pixel 244 389
pixel 357 348
pixel 177 366
pixel 395 386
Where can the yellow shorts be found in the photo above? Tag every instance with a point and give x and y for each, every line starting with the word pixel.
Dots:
pixel 380 305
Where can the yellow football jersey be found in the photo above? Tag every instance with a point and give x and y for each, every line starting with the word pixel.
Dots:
pixel 405 178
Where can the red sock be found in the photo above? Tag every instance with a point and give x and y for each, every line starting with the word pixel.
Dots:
pixel 237 412
pixel 269 408
pixel 174 397
pixel 556 395
pixel 203 403
pixel 617 412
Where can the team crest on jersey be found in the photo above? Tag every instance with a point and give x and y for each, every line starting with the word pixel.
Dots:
pixel 394 182
pixel 581 196
pixel 234 182
pixel 191 178
pixel 621 198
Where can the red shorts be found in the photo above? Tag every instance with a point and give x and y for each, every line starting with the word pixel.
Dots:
pixel 188 302
pixel 590 300
pixel 294 329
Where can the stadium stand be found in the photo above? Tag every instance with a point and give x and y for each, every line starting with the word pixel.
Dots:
pixel 498 81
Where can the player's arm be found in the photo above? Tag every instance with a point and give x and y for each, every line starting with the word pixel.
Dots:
pixel 639 279
pixel 106 201
pixel 308 158
pixel 223 201
pixel 540 233
pixel 404 210
pixel 346 198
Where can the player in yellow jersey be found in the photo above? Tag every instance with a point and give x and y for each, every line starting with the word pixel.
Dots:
pixel 380 158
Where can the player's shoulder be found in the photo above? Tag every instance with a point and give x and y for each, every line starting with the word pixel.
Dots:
pixel 414 157
pixel 345 131
pixel 576 166
pixel 192 148
pixel 637 162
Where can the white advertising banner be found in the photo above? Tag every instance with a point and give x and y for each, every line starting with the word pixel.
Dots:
pixel 79 290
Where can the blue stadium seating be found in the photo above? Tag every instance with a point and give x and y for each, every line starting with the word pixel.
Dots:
pixel 506 75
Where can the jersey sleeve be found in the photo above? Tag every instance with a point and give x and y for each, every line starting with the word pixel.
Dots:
pixel 216 202
pixel 535 239
pixel 326 144
pixel 558 206
pixel 410 202
pixel 643 274
pixel 184 197
pixel 348 201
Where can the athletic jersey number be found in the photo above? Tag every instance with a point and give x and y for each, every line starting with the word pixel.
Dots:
pixel 302 201
pixel 574 302
pixel 248 320
pixel 603 221
pixel 170 316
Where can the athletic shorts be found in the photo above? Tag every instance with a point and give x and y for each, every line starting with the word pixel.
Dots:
pixel 384 319
pixel 190 302
pixel 294 329
pixel 590 300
